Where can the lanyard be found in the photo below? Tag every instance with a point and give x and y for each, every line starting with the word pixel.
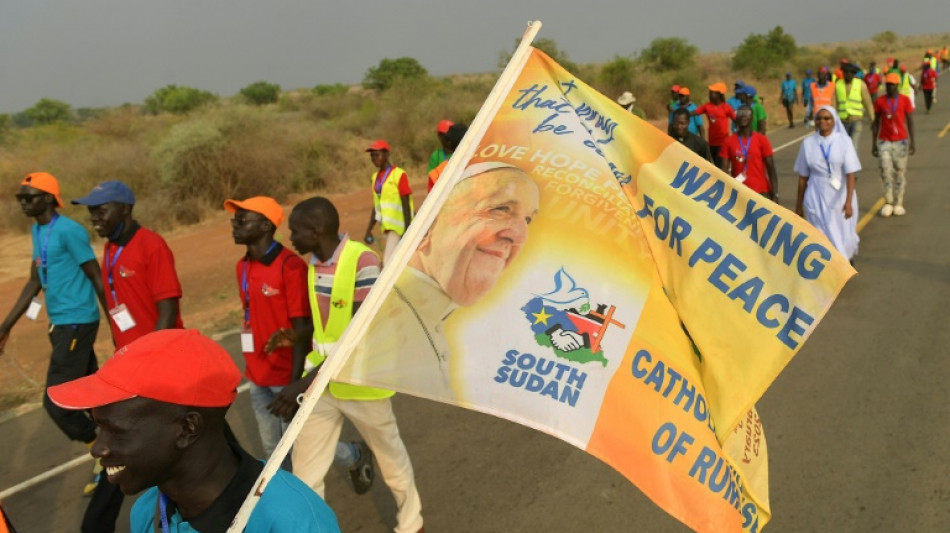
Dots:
pixel 381 179
pixel 744 148
pixel 110 267
pixel 244 282
pixel 893 105
pixel 163 511
pixel 826 154
pixel 43 249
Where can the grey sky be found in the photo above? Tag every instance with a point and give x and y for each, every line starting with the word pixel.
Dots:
pixel 93 53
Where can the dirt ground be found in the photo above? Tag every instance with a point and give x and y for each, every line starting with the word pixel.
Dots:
pixel 204 257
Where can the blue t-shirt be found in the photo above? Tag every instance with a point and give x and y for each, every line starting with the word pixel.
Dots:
pixel 806 88
pixel 695 121
pixel 288 505
pixel 788 89
pixel 70 296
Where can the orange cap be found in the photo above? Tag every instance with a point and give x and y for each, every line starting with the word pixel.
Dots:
pixel 684 90
pixel 379 145
pixel 264 205
pixel 719 87
pixel 44 181
pixel 444 126
pixel 893 77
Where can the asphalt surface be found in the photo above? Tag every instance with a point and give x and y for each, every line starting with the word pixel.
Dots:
pixel 856 425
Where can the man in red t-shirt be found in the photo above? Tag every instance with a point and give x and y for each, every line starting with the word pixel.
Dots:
pixel 718 112
pixel 928 84
pixel 747 156
pixel 272 285
pixel 893 127
pixel 141 295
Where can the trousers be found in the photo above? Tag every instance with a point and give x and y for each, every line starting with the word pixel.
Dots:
pixel 72 358
pixel 893 159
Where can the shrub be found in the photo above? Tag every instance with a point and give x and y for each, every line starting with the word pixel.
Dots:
pixel 261 92
pixel 765 55
pixel 48 111
pixel 175 99
pixel 669 53
pixel 549 47
pixel 325 89
pixel 886 39
pixel 383 75
pixel 617 75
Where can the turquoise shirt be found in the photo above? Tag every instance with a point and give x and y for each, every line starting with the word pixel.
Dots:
pixel 69 294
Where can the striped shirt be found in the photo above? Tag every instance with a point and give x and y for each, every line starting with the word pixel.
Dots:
pixel 367 270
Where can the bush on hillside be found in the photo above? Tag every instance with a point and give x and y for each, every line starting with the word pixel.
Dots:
pixel 175 99
pixel 886 39
pixel 617 75
pixel 388 71
pixel 549 47
pixel 48 111
pixel 326 89
pixel 669 53
pixel 261 93
pixel 765 55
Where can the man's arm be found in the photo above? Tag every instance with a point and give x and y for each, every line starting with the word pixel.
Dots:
pixel 368 238
pixel 167 313
pixel 30 290
pixel 303 332
pixel 91 270
pixel 910 131
pixel 406 210
pixel 875 128
pixel 773 176
pixel 866 101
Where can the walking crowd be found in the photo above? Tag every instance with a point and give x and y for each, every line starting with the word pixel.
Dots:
pixel 838 104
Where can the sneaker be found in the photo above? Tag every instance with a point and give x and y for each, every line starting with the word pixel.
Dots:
pixel 887 210
pixel 899 210
pixel 90 487
pixel 362 472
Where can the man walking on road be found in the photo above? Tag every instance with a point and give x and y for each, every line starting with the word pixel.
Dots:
pixel 893 127
pixel 141 292
pixel 340 275
pixel 807 100
pixel 392 200
pixel 718 113
pixel 789 96
pixel 851 100
pixel 63 267
pixel 747 156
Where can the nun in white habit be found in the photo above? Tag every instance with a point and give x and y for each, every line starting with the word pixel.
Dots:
pixel 826 164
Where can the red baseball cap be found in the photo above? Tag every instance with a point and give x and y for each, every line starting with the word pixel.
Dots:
pixel 176 366
pixel 675 89
pixel 444 126
pixel 264 205
pixel 379 145
pixel 44 181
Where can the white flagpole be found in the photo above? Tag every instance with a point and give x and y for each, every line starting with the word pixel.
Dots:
pixel 410 241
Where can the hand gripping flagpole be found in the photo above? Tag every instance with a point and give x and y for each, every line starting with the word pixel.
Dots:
pixel 417 230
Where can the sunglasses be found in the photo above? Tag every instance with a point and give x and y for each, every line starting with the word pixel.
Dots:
pixel 28 197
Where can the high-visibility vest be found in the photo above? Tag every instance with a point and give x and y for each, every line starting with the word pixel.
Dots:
pixel 821 96
pixel 341 311
pixel 388 202
pixel 904 87
pixel 933 62
pixel 850 104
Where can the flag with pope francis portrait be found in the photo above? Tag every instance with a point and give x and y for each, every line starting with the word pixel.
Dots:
pixel 587 276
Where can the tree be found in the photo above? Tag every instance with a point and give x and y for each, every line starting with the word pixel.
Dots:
pixel 549 47
pixel 261 92
pixel 385 74
pixel 326 89
pixel 48 111
pixel 669 53
pixel 175 99
pixel 765 54
pixel 617 73
pixel 885 39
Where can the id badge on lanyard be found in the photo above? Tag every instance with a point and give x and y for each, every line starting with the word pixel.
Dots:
pixel 247 340
pixel 33 311
pixel 122 317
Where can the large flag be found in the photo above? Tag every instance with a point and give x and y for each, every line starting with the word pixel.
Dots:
pixel 577 271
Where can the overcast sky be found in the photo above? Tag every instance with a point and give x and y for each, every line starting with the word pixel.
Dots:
pixel 93 53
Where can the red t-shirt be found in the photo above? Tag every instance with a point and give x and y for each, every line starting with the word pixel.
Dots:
pixel 928 80
pixel 893 113
pixel 718 123
pixel 873 81
pixel 276 293
pixel 143 272
pixel 757 147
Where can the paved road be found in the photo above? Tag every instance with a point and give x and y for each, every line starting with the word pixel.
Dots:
pixel 856 425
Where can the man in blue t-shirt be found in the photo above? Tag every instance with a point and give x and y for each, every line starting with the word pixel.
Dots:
pixel 789 97
pixel 807 82
pixel 160 403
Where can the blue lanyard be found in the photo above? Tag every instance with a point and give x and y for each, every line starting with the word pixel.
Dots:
pixel 110 266
pixel 163 510
pixel 381 180
pixel 744 148
pixel 893 105
pixel 43 248
pixel 244 282
pixel 826 154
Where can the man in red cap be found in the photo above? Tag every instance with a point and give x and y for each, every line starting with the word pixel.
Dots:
pixel 441 154
pixel 392 199
pixel 160 404
pixel 64 267
pixel 141 292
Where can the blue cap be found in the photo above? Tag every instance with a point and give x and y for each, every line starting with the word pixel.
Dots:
pixel 108 191
pixel 739 83
pixel 808 71
pixel 747 89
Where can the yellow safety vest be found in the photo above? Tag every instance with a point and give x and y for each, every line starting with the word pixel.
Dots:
pixel 904 86
pixel 388 203
pixel 849 105
pixel 341 311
